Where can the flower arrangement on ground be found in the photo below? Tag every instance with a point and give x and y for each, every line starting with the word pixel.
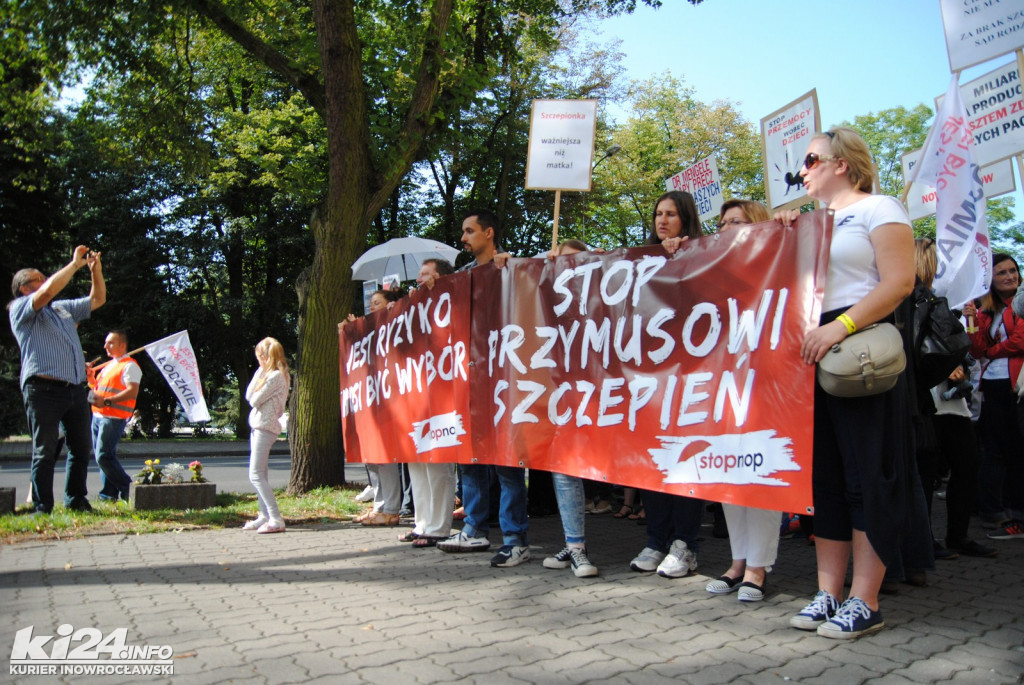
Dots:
pixel 197 472
pixel 151 474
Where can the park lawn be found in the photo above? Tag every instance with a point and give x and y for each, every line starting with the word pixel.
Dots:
pixel 232 510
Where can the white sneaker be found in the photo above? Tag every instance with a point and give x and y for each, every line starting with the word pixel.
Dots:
pixel 460 542
pixel 272 527
pixel 679 561
pixel 647 560
pixel 254 524
pixel 367 494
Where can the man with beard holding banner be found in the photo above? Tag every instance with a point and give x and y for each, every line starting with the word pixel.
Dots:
pixel 480 236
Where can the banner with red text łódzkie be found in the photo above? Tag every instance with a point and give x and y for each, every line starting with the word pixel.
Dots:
pixel 673 373
pixel 405 378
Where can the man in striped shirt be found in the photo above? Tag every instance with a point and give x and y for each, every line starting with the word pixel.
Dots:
pixel 53 374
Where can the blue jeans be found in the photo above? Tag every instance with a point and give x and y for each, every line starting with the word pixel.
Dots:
pixel 476 498
pixel 671 518
pixel 106 434
pixel 571 506
pixel 47 406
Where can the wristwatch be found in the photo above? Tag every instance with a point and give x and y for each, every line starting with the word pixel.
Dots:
pixel 106 403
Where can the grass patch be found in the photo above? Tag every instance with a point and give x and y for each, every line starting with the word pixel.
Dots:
pixel 233 509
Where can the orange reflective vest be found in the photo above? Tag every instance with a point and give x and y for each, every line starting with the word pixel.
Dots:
pixel 109 382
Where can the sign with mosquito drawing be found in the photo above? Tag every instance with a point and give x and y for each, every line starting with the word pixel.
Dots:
pixel 785 135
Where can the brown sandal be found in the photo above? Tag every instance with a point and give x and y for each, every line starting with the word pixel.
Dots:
pixel 623 512
pixel 379 518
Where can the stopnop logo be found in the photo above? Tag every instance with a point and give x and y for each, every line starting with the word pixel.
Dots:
pixel 86 651
pixel 742 459
pixel 442 430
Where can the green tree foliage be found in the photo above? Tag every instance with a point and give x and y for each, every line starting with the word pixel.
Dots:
pixel 668 130
pixel 382 76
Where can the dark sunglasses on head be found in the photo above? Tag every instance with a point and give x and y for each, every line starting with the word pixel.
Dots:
pixel 813 159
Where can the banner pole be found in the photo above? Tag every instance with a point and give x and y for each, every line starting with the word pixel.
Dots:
pixel 554 230
pixel 127 354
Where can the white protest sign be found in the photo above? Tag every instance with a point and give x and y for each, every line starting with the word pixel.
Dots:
pixel 997 180
pixel 174 357
pixel 704 183
pixel 561 147
pixel 979 30
pixel 785 135
pixel 995 113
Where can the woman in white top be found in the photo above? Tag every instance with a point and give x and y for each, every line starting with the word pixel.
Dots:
pixel 268 395
pixel 863 446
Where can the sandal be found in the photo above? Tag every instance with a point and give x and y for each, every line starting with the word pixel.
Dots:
pixel 379 518
pixel 640 516
pixel 426 541
pixel 409 537
pixel 623 512
pixel 459 514
pixel 723 585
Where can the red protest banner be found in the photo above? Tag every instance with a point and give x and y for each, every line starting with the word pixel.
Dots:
pixel 404 378
pixel 673 373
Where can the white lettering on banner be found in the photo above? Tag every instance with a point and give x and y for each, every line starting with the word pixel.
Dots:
pixel 408 374
pixel 442 430
pixel 746 458
pixel 631 342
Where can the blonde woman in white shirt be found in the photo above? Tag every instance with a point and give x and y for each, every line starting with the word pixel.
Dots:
pixel 268 395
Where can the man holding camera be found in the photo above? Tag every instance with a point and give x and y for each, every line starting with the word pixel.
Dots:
pixel 53 374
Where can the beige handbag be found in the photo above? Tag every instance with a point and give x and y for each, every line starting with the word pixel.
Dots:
pixel 867 362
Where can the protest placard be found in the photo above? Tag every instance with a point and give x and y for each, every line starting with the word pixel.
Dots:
pixel 561 147
pixel 995 113
pixel 703 181
pixel 979 30
pixel 785 135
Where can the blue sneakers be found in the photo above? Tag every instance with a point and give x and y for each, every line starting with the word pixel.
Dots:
pixel 853 619
pixel 822 608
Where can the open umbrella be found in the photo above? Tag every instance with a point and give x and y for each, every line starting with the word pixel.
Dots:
pixel 402 256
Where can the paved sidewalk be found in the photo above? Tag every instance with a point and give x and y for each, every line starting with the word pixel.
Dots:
pixel 347 604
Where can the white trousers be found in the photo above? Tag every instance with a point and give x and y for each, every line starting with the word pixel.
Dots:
pixel 753 534
pixel 387 499
pixel 433 495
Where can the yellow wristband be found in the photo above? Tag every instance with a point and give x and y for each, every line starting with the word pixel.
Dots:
pixel 851 327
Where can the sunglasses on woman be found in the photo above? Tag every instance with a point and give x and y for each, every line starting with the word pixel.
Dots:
pixel 813 159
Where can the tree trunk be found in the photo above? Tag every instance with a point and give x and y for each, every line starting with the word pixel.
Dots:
pixel 339 231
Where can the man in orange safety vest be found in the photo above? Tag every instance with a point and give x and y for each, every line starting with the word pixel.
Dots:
pixel 114 388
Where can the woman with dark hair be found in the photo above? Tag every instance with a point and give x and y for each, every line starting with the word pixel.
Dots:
pixel 863 446
pixel 999 345
pixel 673 521
pixel 675 220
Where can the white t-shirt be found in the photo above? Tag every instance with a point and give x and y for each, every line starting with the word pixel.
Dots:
pixel 852 269
pixel 131 374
